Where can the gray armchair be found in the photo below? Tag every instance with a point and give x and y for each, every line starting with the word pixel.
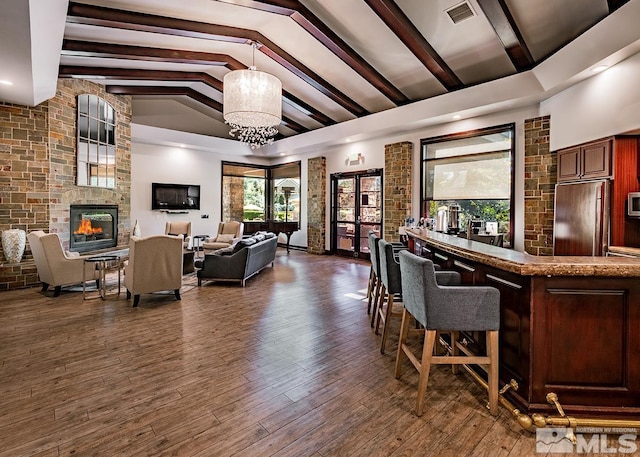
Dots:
pixel 446 308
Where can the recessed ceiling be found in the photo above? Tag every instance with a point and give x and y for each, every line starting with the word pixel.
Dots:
pixel 337 60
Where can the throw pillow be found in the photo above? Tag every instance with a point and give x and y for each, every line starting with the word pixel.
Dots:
pixel 224 238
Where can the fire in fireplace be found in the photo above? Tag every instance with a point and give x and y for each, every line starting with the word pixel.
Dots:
pixel 93 227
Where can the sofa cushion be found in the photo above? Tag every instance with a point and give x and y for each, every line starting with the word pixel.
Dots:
pixel 224 251
pixel 243 242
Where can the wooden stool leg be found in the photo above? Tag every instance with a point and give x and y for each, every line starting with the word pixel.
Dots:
pixel 385 322
pixel 373 298
pixel 455 369
pixel 370 283
pixel 493 372
pixel 378 305
pixel 404 331
pixel 425 365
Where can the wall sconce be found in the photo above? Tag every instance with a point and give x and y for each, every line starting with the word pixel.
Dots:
pixel 354 158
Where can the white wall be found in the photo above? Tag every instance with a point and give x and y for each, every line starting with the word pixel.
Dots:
pixel 165 164
pixel 605 104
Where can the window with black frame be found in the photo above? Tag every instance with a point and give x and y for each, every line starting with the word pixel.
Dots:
pixel 255 193
pixel 468 178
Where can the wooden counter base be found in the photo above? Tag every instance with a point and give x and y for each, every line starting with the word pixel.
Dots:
pixel 572 328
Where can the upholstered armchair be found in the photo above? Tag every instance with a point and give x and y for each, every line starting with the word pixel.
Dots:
pixel 56 267
pixel 179 228
pixel 228 234
pixel 155 264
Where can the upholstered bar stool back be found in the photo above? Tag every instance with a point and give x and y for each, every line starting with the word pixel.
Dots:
pixel 373 290
pixel 391 285
pixel 446 308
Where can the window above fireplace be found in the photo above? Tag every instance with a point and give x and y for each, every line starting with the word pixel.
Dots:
pixel 96 146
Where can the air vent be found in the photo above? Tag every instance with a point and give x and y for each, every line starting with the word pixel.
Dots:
pixel 460 12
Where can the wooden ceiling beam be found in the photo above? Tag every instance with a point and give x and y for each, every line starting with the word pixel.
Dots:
pixel 615 4
pixel 320 31
pixel 129 20
pixel 68 71
pixel 191 93
pixel 500 18
pixel 122 51
pixel 408 33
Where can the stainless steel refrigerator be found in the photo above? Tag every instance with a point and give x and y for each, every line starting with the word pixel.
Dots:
pixel 581 218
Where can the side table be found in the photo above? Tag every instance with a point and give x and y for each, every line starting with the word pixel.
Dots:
pixel 103 264
pixel 197 244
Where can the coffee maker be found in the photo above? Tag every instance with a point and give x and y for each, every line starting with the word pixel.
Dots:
pixel 453 216
pixel 442 224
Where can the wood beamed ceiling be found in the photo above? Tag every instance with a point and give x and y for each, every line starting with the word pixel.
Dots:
pixel 312 94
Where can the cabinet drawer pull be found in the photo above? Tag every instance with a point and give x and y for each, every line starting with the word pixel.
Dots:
pixel 440 256
pixel 464 266
pixel 504 282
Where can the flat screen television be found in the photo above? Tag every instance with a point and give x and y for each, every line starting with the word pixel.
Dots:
pixel 175 196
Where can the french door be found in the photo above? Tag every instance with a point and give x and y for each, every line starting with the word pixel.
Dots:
pixel 356 209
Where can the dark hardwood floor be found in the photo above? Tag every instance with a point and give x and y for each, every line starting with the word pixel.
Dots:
pixel 287 366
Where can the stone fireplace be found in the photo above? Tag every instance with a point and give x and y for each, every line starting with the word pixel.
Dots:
pixel 93 227
pixel 39 167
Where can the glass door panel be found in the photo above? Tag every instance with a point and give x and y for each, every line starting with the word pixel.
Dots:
pixel 356 210
pixel 346 214
pixel 370 209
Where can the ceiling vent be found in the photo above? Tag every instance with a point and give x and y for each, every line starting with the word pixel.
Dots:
pixel 460 12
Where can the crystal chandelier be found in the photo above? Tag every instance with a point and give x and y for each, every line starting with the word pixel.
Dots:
pixel 252 102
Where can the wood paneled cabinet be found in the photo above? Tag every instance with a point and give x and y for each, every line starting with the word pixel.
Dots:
pixel 588 161
pixel 616 158
pixel 575 336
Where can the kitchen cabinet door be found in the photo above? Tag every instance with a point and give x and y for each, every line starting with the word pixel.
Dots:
pixel 588 161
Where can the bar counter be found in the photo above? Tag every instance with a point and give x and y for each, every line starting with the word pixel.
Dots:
pixel 569 325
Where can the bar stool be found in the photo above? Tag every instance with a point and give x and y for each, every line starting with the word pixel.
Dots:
pixel 373 289
pixel 446 308
pixel 391 285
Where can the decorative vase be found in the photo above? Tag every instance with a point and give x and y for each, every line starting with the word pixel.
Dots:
pixel 13 244
pixel 136 229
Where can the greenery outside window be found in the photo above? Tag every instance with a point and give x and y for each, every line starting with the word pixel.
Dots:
pixel 261 193
pixel 474 170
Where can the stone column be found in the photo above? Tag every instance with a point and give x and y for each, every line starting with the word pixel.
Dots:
pixel 398 171
pixel 540 178
pixel 316 205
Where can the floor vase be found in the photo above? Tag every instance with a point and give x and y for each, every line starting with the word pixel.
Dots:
pixel 13 244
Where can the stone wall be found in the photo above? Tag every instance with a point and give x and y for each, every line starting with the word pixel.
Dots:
pixel 316 205
pixel 233 198
pixel 539 187
pixel 398 171
pixel 38 163
pixel 24 189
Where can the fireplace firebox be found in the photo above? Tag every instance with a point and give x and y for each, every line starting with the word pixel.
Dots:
pixel 93 227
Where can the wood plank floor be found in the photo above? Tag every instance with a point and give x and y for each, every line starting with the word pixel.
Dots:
pixel 287 366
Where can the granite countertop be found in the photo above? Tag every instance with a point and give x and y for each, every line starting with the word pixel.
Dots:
pixel 624 250
pixel 529 265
